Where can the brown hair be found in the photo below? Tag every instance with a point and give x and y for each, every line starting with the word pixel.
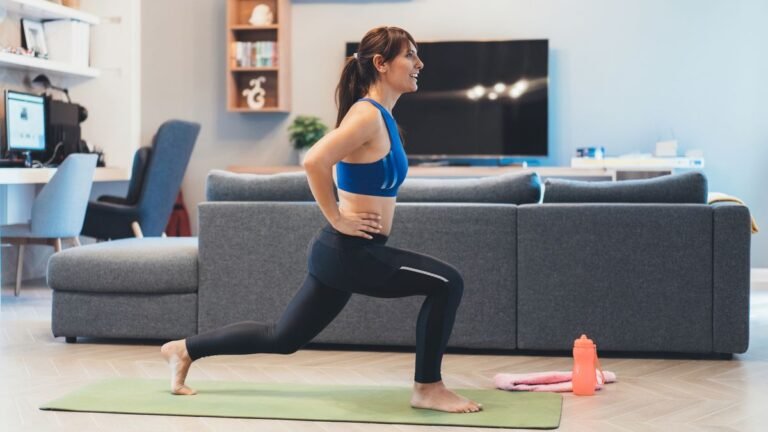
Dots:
pixel 360 73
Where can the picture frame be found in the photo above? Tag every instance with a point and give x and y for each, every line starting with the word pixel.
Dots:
pixel 34 37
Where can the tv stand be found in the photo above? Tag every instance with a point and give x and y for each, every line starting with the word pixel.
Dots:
pixel 592 174
pixel 460 161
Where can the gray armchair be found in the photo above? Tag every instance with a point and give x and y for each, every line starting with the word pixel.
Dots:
pixel 151 195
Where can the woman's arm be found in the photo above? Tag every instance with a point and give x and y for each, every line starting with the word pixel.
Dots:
pixel 360 125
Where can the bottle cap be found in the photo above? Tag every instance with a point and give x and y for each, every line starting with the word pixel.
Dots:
pixel 583 342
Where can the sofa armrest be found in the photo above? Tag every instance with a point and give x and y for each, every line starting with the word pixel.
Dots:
pixel 731 274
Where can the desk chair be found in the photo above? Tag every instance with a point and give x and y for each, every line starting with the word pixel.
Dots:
pixel 58 210
pixel 152 191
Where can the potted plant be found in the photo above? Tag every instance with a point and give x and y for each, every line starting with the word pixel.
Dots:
pixel 306 131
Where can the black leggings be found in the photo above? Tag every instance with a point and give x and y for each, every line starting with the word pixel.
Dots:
pixel 340 265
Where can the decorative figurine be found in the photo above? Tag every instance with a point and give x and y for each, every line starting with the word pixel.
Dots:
pixel 255 94
pixel 261 15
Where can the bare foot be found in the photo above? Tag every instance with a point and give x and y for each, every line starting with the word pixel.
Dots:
pixel 436 396
pixel 175 353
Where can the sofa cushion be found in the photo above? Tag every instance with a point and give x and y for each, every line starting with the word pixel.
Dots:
pixel 228 186
pixel 143 266
pixel 686 188
pixel 501 189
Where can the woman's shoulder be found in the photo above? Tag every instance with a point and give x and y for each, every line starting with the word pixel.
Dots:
pixel 363 114
pixel 365 107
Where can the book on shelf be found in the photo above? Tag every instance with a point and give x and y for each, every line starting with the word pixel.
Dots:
pixel 255 54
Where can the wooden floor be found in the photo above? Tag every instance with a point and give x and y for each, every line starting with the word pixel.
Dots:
pixel 651 395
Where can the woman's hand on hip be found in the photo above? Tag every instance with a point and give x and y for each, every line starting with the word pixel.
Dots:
pixel 358 224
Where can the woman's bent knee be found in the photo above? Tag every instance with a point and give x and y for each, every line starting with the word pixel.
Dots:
pixel 455 284
pixel 455 278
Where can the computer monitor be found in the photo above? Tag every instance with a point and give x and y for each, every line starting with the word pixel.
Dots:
pixel 24 121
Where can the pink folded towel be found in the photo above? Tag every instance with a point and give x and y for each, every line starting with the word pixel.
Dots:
pixel 545 381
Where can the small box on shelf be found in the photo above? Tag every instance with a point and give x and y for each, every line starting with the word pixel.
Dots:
pixel 68 41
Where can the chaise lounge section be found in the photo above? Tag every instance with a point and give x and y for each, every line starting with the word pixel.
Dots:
pixel 130 288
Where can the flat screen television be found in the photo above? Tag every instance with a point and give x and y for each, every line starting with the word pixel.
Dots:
pixel 476 100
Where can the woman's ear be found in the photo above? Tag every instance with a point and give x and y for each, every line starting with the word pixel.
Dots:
pixel 379 63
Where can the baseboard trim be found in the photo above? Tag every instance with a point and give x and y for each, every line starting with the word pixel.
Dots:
pixel 759 278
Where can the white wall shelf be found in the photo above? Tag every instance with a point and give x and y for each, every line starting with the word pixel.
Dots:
pixel 45 10
pixel 15 176
pixel 638 162
pixel 29 63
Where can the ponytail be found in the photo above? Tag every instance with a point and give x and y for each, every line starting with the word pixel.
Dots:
pixel 351 87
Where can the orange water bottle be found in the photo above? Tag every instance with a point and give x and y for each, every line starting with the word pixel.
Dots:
pixel 584 366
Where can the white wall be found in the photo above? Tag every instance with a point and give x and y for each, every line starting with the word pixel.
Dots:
pixel 114 98
pixel 623 74
pixel 183 76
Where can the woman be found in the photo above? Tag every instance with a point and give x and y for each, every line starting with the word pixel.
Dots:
pixel 350 255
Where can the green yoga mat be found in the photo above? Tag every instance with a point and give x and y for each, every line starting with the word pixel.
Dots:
pixel 365 404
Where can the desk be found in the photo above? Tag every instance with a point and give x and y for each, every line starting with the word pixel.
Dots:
pixel 483 171
pixel 17 176
pixel 18 188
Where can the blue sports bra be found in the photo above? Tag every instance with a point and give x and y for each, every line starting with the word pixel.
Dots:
pixel 380 178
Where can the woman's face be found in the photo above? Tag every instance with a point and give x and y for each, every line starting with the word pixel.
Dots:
pixel 402 72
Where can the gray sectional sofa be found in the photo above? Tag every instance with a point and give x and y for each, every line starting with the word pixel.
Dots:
pixel 667 273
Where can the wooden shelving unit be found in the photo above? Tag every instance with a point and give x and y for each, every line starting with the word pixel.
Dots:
pixel 273 79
